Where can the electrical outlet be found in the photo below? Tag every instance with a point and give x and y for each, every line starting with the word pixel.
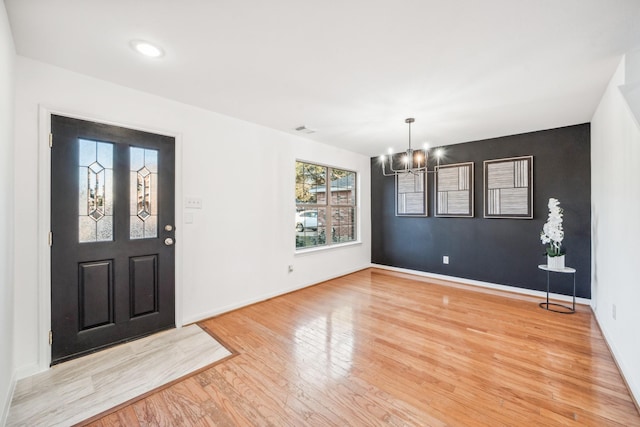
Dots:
pixel 290 268
pixel 445 259
pixel 613 311
pixel 193 202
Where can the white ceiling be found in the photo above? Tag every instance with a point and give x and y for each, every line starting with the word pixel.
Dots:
pixel 352 69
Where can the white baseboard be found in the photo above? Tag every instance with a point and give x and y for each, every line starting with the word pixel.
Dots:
pixel 28 370
pixel 4 415
pixel 225 309
pixel 634 388
pixel 488 285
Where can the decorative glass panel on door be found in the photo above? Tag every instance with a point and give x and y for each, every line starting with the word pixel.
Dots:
pixel 95 191
pixel 143 186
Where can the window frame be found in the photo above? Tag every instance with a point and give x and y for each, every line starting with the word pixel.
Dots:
pixel 329 206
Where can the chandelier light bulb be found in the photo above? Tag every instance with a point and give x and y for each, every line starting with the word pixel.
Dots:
pixel 414 162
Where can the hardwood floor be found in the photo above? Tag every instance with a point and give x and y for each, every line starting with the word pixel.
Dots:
pixel 377 348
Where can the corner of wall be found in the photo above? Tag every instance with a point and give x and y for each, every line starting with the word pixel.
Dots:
pixel 4 410
pixel 630 90
pixel 615 143
pixel 7 221
pixel 632 384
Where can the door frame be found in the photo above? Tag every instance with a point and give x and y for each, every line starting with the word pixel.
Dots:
pixel 44 221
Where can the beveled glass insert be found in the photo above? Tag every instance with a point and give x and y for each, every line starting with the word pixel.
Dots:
pixel 95 191
pixel 144 193
pixel 143 215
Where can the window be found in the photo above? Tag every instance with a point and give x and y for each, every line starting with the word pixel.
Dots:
pixel 325 204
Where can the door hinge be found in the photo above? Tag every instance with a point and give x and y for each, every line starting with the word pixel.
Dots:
pixel 50 238
pixel 50 140
pixel 50 337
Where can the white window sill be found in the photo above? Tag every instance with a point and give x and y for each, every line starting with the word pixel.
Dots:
pixel 326 247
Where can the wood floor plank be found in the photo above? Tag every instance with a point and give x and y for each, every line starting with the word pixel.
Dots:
pixel 228 399
pixel 382 348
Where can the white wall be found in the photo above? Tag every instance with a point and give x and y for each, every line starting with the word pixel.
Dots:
pixel 7 58
pixel 615 191
pixel 241 242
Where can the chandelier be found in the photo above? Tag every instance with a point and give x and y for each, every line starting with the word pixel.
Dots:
pixel 413 161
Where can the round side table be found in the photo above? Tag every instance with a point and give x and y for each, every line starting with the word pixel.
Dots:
pixel 547 305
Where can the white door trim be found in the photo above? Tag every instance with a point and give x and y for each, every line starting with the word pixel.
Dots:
pixel 44 223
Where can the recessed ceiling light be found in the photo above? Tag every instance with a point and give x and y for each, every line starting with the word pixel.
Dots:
pixel 147 49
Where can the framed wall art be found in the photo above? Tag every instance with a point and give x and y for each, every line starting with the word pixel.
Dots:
pixel 508 188
pixel 411 194
pixel 454 190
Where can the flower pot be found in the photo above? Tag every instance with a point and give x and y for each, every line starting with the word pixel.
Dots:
pixel 556 262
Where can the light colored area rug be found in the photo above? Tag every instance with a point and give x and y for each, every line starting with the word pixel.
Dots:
pixel 82 388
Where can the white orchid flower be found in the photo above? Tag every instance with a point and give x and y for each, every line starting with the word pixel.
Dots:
pixel 552 232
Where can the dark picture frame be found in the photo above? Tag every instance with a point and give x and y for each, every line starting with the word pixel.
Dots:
pixel 411 194
pixel 454 190
pixel 508 188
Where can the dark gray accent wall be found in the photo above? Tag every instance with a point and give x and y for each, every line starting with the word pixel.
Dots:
pixel 502 251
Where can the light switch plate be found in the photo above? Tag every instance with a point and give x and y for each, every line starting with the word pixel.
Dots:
pixel 193 203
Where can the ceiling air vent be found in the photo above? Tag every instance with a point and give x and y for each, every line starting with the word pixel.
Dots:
pixel 304 129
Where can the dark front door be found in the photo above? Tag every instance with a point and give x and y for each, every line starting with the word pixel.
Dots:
pixel 112 223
